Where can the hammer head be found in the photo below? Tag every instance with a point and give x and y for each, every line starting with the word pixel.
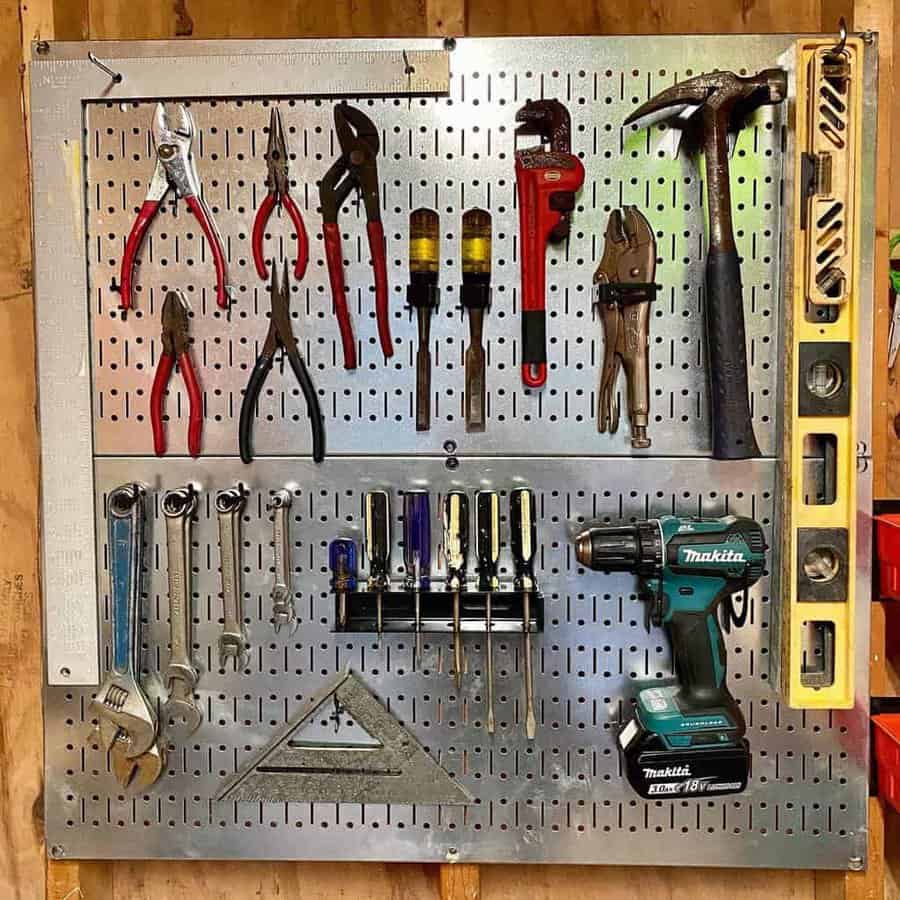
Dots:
pixel 716 93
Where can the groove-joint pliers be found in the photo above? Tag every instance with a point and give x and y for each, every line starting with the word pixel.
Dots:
pixel 356 169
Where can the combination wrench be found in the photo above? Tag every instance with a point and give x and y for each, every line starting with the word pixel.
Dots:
pixel 181 713
pixel 283 612
pixel 232 640
pixel 126 718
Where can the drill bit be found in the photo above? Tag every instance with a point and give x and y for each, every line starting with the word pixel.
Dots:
pixel 487 551
pixel 523 540
pixel 456 551
pixel 378 549
pixel 475 296
pixel 342 562
pixel 417 554
pixel 422 296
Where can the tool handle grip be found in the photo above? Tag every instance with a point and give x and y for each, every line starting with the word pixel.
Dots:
pixel 698 652
pixel 197 207
pixel 335 259
pixel 313 410
pixel 125 530
pixel 378 252
pixel 195 403
pixel 132 245
pixel 259 231
pixel 732 427
pixel 302 261
pixel 160 381
pixel 248 406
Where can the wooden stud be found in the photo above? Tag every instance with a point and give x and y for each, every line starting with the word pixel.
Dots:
pixel 460 881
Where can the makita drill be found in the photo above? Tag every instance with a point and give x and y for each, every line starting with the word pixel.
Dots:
pixel 687 739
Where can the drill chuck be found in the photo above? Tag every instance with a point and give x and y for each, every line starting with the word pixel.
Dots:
pixel 622 548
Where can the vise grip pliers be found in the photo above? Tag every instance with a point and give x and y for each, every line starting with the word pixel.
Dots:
pixel 624 289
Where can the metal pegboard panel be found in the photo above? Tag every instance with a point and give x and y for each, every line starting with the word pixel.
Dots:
pixel 448 153
pixel 562 797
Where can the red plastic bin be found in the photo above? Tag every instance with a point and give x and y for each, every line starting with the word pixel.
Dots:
pixel 887 539
pixel 887 756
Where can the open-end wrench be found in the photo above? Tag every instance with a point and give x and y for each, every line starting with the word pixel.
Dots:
pixel 232 640
pixel 181 714
pixel 126 717
pixel 137 773
pixel 282 596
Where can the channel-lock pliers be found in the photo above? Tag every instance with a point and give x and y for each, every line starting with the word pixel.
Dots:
pixel 174 170
pixel 279 194
pixel 280 336
pixel 176 349
pixel 356 169
pixel 624 290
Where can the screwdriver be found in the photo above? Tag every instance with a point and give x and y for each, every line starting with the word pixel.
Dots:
pixel 456 550
pixel 487 551
pixel 342 562
pixel 378 548
pixel 422 296
pixel 417 553
pixel 475 296
pixel 523 540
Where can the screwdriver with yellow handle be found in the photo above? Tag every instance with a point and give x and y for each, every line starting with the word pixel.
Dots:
pixel 523 543
pixel 456 554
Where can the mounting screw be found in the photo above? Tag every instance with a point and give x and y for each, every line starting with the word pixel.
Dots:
pixel 57 851
pixel 449 43
pixel 452 854
pixel 449 446
pixel 868 37
pixel 855 863
pixel 42 47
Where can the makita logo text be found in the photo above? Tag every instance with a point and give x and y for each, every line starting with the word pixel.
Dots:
pixel 668 772
pixel 713 556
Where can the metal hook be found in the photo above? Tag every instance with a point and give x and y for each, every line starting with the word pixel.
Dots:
pixel 842 34
pixel 115 76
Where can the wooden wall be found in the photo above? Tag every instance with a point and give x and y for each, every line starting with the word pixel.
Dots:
pixel 24 874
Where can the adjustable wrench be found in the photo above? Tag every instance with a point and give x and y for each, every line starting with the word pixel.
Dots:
pixel 282 596
pixel 127 720
pixel 181 713
pixel 139 773
pixel 232 641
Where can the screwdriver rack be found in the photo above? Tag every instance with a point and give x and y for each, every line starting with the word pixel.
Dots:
pixel 446 132
pixel 398 611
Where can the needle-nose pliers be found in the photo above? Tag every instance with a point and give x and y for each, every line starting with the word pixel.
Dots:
pixel 279 194
pixel 280 336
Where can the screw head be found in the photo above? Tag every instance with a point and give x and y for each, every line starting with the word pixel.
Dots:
pixel 855 863
pixel 57 851
pixel 42 47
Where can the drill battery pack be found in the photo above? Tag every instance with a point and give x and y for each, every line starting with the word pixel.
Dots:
pixel 657 771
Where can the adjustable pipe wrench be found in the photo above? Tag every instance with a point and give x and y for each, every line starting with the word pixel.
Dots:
pixel 546 182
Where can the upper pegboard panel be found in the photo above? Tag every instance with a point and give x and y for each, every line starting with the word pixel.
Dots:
pixel 448 153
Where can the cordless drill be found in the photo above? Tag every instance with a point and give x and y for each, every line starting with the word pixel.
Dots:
pixel 687 739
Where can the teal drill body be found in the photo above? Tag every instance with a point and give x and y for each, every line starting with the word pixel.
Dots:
pixel 686 739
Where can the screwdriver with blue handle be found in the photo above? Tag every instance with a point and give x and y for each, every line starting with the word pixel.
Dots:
pixel 342 562
pixel 686 740
pixel 417 554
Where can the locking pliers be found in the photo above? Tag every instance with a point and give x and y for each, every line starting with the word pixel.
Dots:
pixel 624 289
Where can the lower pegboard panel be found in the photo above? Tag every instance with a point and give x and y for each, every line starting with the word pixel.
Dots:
pixel 562 797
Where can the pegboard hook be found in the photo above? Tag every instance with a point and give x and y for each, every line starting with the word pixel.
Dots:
pixel 842 36
pixel 116 77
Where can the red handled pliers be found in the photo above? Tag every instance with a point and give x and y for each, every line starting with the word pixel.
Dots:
pixel 355 168
pixel 279 195
pixel 174 170
pixel 176 349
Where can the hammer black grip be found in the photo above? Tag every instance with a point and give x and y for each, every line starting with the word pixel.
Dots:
pixel 726 344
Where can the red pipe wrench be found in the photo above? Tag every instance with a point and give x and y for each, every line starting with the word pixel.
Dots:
pixel 546 183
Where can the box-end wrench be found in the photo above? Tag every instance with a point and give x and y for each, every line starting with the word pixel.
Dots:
pixel 180 712
pixel 232 641
pixel 126 717
pixel 282 596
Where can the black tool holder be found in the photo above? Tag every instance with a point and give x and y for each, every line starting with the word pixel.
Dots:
pixel 398 611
